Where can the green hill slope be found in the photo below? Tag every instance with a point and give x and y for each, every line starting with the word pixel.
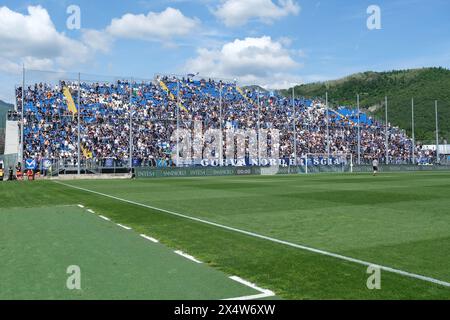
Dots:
pixel 425 85
pixel 4 107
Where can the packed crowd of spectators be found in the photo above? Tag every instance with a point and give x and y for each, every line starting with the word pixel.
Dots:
pixel 50 130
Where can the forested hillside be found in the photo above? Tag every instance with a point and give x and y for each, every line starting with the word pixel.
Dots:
pixel 425 85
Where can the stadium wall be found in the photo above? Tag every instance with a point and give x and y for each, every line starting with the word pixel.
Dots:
pixel 12 135
pixel 402 168
pixel 2 140
pixel 146 173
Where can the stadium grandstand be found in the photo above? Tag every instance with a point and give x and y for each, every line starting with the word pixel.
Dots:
pixel 153 110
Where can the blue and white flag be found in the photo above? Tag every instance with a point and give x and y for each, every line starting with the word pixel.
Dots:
pixel 30 164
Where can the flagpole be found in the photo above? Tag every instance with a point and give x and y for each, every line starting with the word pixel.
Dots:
pixel 359 130
pixel 78 125
pixel 413 132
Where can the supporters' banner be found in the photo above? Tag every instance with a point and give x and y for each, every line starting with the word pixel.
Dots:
pixel 46 164
pixel 163 163
pixel 171 96
pixel 180 105
pixel 109 163
pixel 283 162
pixel 30 164
pixel 244 95
pixel 322 161
pixel 86 152
pixel 70 104
pixel 137 162
pixel 136 92
pixel 166 89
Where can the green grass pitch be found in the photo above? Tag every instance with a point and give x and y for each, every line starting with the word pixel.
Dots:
pixel 399 220
pixel 115 263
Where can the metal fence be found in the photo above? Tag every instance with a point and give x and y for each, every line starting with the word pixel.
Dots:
pixel 9 161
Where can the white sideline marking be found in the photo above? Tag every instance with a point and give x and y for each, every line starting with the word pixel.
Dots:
pixel 255 235
pixel 122 226
pixel 91 211
pixel 105 218
pixel 181 253
pixel 265 293
pixel 81 206
pixel 149 238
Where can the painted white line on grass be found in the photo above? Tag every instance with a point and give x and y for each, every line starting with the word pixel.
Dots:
pixel 181 253
pixel 265 293
pixel 286 243
pixel 91 211
pixel 122 226
pixel 105 218
pixel 81 206
pixel 149 238
pixel 254 297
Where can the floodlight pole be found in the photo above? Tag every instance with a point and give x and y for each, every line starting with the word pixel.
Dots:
pixel 328 126
pixel 295 126
pixel 22 144
pixel 386 130
pixel 259 128
pixel 78 125
pixel 220 120
pixel 437 131
pixel 131 125
pixel 413 134
pixel 178 120
pixel 359 131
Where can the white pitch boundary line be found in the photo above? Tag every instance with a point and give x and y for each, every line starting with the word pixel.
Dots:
pixel 81 206
pixel 122 226
pixel 265 293
pixel 286 243
pixel 149 238
pixel 181 253
pixel 91 211
pixel 104 218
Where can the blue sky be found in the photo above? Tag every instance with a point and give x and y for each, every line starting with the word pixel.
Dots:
pixel 273 43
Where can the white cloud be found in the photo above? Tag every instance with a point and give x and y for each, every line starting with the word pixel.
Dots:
pixel 8 66
pixel 97 40
pixel 32 39
pixel 153 26
pixel 238 12
pixel 38 63
pixel 261 61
